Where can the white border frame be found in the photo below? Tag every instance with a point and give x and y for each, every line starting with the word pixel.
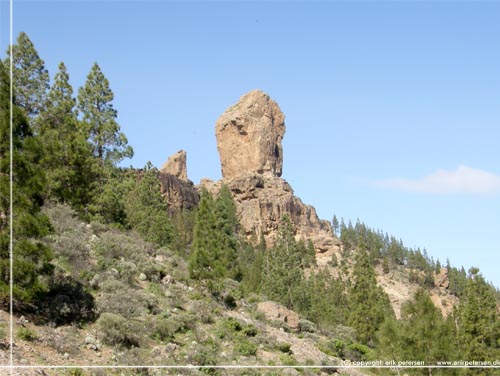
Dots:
pixel 11 366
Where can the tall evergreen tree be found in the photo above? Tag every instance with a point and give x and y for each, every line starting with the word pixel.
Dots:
pixel 31 78
pixel 68 158
pixel 425 335
pixel 478 320
pixel 389 340
pixel 328 303
pixel 283 276
pixel 211 239
pixel 146 208
pixel 251 261
pixel 227 227
pixel 335 225
pixel 31 257
pixel 98 114
pixel 112 186
pixel 214 249
pixel 369 303
pixel 204 239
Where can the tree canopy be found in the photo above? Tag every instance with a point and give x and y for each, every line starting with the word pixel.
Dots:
pixel 31 257
pixel 31 78
pixel 99 116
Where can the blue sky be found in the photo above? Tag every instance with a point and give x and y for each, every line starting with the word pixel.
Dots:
pixel 392 108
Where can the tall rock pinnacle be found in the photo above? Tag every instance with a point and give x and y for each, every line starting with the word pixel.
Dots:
pixel 249 136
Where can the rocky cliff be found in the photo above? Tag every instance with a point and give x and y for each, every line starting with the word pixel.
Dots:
pixel 249 136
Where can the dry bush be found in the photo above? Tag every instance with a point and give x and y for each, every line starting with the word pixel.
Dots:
pixel 118 331
pixel 119 298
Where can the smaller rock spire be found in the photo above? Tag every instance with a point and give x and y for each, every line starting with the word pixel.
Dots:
pixel 176 165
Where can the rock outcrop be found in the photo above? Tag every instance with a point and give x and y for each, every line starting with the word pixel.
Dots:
pixel 441 279
pixel 275 311
pixel 249 137
pixel 176 165
pixel 178 193
pixel 262 201
pixel 177 189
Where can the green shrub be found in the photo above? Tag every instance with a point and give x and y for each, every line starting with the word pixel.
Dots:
pixel 75 372
pixel 288 360
pixel 285 348
pixel 250 331
pixel 27 334
pixel 165 328
pixel 228 327
pixel 154 271
pixel 245 348
pixel 358 351
pixel 307 326
pixel 334 347
pixel 206 354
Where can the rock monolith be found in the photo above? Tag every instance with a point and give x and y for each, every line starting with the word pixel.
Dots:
pixel 249 136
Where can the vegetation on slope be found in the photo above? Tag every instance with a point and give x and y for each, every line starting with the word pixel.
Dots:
pixel 97 255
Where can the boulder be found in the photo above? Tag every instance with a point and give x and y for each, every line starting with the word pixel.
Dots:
pixel 275 311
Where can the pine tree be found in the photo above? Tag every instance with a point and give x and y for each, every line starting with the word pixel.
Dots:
pixel 112 186
pixel 283 276
pixel 146 208
pixel 183 222
pixel 327 299
pixel 31 257
pixel 251 263
pixel 204 247
pixel 478 320
pixel 389 340
pixel 424 334
pixel 369 303
pixel 227 227
pixel 68 158
pixel 309 259
pixel 31 78
pixel 98 114
pixel 385 265
pixel 214 249
pixel 335 225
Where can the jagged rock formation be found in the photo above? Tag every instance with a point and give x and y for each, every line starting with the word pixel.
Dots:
pixel 441 279
pixel 179 194
pixel 177 189
pixel 176 165
pixel 249 137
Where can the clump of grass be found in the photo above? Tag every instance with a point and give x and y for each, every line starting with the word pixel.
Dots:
pixel 27 334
